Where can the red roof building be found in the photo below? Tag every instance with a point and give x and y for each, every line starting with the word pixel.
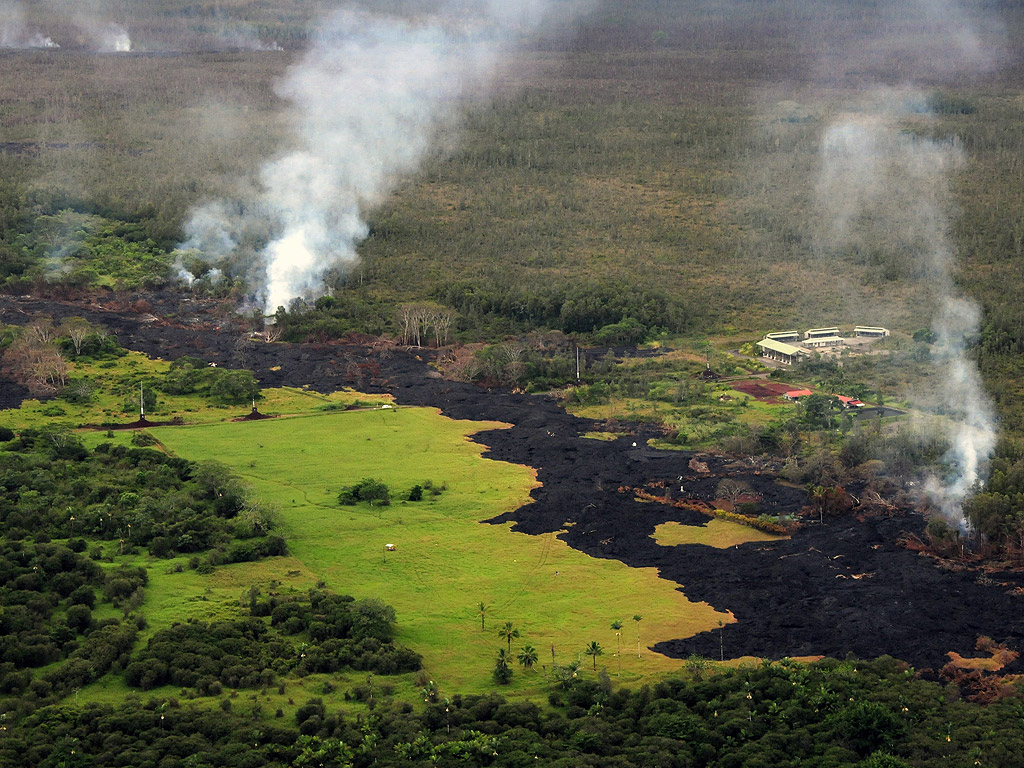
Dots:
pixel 849 402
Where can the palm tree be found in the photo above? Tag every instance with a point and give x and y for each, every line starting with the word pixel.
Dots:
pixel 819 495
pixel 637 618
pixel 482 612
pixel 617 626
pixel 502 671
pixel 594 650
pixel 566 676
pixel 509 633
pixel 528 656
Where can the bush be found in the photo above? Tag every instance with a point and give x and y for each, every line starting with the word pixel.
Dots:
pixel 142 439
pixel 374 492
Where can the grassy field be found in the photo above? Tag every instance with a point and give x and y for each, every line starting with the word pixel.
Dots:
pixel 721 534
pixel 115 399
pixel 446 561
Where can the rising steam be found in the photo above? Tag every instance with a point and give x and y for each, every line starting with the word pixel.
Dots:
pixel 113 38
pixel 367 103
pixel 16 33
pixel 882 183
pixel 93 20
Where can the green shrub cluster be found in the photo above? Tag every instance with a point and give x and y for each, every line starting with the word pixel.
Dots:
pixel 320 632
pixel 373 492
pixel 47 596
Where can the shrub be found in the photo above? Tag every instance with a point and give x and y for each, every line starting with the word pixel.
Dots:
pixel 372 491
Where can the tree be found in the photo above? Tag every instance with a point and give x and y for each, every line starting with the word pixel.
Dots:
pixel 235 387
pixel 617 626
pixel 731 490
pixel 502 671
pixel 594 650
pixel 637 618
pixel 482 613
pixel 566 675
pixel 35 363
pixel 697 666
pixel 77 329
pixel 819 495
pixel 322 753
pixel 372 491
pixel 373 618
pixel 508 633
pixel 527 656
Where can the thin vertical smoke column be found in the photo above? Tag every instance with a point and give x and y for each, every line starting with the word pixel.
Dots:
pixel 882 185
pixel 367 102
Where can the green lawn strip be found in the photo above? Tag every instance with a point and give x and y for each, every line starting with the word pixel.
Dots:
pixel 112 402
pixel 446 561
pixel 721 534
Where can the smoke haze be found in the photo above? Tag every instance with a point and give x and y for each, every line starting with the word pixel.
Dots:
pixel 367 103
pixel 16 33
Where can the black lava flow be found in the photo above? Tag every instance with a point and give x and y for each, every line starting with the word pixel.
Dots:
pixel 845 587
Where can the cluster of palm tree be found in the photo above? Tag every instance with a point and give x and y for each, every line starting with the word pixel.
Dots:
pixel 508 632
pixel 528 656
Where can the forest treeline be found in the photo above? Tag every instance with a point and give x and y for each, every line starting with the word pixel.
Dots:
pixel 855 714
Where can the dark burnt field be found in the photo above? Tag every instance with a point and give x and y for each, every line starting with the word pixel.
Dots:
pixel 845 587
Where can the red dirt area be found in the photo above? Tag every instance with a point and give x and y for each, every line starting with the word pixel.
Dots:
pixel 762 390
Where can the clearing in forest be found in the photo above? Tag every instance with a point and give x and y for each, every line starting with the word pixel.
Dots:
pixel 445 560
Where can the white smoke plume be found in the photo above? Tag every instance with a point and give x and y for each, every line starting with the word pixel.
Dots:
pixel 113 38
pixel 367 102
pixel 15 31
pixel 880 183
pixel 883 185
pixel 93 20
pixel 243 37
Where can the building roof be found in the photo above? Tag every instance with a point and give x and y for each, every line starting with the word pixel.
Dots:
pixel 795 393
pixel 825 340
pixel 778 346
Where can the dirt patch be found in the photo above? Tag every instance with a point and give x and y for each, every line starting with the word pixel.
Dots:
pixel 767 391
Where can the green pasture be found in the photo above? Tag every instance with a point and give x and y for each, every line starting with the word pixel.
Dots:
pixel 718 533
pixel 446 560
